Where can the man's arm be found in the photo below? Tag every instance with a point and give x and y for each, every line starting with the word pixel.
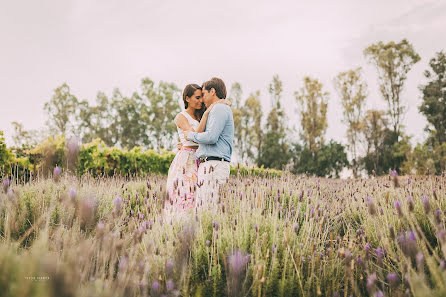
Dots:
pixel 216 124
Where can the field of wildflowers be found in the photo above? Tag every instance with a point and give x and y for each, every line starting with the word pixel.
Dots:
pixel 263 236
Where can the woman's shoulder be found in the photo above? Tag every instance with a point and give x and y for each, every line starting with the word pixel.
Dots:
pixel 180 117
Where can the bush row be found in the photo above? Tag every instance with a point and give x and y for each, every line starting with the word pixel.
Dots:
pixel 96 159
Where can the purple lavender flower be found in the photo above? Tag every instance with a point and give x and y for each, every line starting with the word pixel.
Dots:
pixel 142 285
pixel 397 205
pixel 392 232
pixel 237 266
pixel 367 247
pixel 6 184
pixel 379 255
pixel 393 280
pixel 410 203
pixel 438 216
pixel 442 265
pixel 169 285
pixel 406 280
pixel 56 172
pixel 371 280
pixel 426 204
pixel 72 194
pixel 420 261
pixel 155 286
pixel 379 294
pixel 208 243
pixel 371 206
pixel 123 263
pixel 169 267
pixel 256 227
pixel 118 203
pixel 347 258
pixel 101 225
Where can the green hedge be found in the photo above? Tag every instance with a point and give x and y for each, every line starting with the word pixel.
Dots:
pixel 97 159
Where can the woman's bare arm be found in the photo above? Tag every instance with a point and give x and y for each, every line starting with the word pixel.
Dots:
pixel 203 121
pixel 182 123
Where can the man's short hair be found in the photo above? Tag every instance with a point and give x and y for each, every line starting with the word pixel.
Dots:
pixel 218 85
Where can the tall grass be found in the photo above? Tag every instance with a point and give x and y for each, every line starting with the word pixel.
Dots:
pixel 263 236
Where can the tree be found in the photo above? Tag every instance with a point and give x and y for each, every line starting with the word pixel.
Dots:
pixel 235 96
pixel 162 107
pixel 353 91
pixel 392 61
pixel 252 128
pixel 61 110
pixel 275 152
pixel 24 138
pixel 276 120
pixel 434 98
pixel 314 103
pixel 6 157
pixel 374 126
pixel 328 161
pixel 129 120
pixel 98 121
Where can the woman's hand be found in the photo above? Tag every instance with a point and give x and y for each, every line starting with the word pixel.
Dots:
pixel 221 101
pixel 224 101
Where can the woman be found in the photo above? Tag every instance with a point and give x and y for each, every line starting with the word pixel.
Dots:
pixel 182 175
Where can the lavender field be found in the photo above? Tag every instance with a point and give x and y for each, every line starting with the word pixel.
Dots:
pixel 287 236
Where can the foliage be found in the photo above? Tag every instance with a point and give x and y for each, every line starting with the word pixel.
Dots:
pixel 252 128
pixel 434 97
pixel 353 91
pixel 62 110
pixel 99 121
pixel 328 161
pixel 314 103
pixel 427 159
pixel 49 154
pixel 162 103
pixel 97 159
pixel 6 156
pixel 235 96
pixel 275 151
pixel 392 61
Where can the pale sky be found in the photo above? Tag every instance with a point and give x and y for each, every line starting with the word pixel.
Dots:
pixel 100 45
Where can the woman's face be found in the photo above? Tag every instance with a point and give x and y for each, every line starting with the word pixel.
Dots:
pixel 195 100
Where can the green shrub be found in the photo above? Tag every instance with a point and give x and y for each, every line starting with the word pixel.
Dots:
pixel 97 159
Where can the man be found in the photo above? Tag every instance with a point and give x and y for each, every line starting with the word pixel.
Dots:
pixel 215 150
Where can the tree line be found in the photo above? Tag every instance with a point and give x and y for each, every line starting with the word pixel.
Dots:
pixel 376 139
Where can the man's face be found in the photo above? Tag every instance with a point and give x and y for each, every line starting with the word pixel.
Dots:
pixel 207 97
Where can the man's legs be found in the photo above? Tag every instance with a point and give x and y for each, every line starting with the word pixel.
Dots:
pixel 211 175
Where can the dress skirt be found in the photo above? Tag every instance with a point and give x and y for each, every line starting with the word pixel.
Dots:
pixel 182 179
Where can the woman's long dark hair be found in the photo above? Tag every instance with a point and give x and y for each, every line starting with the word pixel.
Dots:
pixel 189 91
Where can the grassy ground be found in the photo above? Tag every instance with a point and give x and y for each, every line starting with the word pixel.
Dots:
pixel 287 236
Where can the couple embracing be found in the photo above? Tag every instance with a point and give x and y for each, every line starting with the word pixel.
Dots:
pixel 206 132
